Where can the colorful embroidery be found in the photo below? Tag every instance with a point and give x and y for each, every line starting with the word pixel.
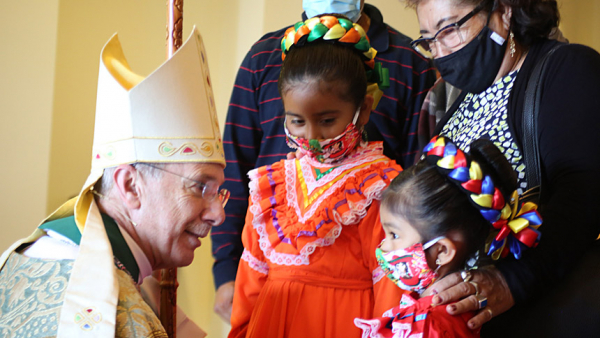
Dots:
pixel 108 153
pixel 87 318
pixel 319 174
pixel 314 192
pixel 364 154
pixel 347 190
pixel 206 149
pixel 167 149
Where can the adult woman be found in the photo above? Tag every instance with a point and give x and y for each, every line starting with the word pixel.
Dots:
pixel 488 49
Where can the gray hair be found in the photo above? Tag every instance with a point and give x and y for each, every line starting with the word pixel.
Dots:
pixel 106 182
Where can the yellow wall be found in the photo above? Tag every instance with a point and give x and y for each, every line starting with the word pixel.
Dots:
pixel 48 74
pixel 27 57
pixel 579 21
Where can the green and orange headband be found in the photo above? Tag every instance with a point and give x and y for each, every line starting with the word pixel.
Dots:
pixel 340 30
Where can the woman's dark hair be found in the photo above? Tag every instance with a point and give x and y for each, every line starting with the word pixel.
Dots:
pixel 531 19
pixel 333 66
pixel 436 206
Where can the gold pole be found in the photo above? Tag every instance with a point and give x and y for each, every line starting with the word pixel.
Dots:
pixel 168 277
pixel 174 26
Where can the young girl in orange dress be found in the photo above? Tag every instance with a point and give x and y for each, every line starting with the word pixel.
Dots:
pixel 436 215
pixel 309 266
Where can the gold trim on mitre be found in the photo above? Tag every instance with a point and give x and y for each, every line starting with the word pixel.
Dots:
pixel 175 103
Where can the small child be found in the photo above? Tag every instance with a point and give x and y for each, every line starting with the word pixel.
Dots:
pixel 309 266
pixel 446 201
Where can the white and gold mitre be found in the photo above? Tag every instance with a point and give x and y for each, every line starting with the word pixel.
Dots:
pixel 168 116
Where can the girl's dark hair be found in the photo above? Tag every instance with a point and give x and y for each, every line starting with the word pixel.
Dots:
pixel 436 206
pixel 333 66
pixel 531 19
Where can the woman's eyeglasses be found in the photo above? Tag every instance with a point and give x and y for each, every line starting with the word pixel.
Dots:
pixel 449 36
pixel 209 190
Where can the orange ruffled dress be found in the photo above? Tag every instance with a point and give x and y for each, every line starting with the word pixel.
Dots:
pixel 309 267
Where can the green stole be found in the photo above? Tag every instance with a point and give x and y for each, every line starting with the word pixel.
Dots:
pixel 68 228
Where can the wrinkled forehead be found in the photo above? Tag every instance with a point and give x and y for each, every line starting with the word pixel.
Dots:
pixel 203 172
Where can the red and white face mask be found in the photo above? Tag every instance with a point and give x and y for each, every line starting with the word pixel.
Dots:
pixel 330 150
pixel 408 267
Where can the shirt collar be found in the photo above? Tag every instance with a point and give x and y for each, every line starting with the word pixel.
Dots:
pixel 378 31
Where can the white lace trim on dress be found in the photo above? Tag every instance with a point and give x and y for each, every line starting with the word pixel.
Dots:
pixel 357 210
pixel 254 263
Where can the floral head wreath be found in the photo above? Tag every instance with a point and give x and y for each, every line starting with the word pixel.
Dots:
pixel 345 32
pixel 514 226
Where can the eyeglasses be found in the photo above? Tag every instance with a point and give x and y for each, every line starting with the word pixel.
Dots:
pixel 209 190
pixel 449 36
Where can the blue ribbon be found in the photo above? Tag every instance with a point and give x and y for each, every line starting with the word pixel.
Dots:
pixel 495 245
pixel 460 174
pixel 450 149
pixel 487 186
pixel 516 247
pixel 533 218
pixel 491 215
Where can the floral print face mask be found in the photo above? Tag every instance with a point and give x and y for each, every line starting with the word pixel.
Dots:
pixel 408 267
pixel 329 150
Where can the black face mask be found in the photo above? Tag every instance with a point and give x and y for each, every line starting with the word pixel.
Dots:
pixel 474 67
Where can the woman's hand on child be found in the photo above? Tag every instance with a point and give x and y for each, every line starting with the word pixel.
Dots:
pixel 491 286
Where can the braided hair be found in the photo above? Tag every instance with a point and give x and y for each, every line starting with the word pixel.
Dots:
pixel 333 52
pixel 471 194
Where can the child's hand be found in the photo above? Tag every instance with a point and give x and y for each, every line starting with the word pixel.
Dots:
pixel 292 155
pixel 490 284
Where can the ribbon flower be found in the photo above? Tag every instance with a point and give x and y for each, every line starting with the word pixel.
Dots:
pixel 518 232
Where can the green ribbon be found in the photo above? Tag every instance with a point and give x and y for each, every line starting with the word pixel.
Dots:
pixel 318 31
pixel 379 75
pixel 362 45
pixel 321 174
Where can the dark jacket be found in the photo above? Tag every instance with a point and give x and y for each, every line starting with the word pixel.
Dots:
pixel 569 146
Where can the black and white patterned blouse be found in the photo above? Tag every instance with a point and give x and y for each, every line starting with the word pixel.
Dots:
pixel 484 115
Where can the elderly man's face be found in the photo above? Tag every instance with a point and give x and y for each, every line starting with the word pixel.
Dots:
pixel 175 215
